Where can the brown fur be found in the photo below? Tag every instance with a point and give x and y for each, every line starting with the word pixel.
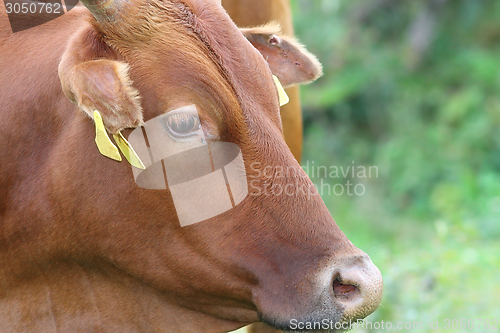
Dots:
pixel 82 248
pixel 84 71
pixel 251 13
pixel 288 59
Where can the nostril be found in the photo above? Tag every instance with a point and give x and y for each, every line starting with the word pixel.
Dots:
pixel 357 287
pixel 345 291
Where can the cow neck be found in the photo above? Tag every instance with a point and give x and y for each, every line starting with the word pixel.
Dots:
pixel 78 297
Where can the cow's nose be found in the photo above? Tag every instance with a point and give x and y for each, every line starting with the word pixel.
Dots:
pixel 358 287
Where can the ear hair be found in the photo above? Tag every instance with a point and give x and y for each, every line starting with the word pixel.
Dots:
pixel 104 85
pixel 131 95
pixel 270 28
pixel 311 57
pixel 288 59
pixel 122 70
pixel 93 79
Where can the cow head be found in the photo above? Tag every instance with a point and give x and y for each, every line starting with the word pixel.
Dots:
pixel 275 256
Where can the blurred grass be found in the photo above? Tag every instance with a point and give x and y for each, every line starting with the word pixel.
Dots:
pixel 413 87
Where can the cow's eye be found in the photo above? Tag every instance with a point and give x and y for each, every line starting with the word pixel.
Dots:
pixel 182 124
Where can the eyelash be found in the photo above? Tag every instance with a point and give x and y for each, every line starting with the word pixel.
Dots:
pixel 182 125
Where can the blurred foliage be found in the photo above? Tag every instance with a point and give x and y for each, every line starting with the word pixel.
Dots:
pixel 413 87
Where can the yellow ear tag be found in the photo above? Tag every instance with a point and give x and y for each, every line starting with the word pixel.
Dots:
pixel 128 151
pixel 104 143
pixel 281 92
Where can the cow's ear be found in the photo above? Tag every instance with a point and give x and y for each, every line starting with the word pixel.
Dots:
pixel 287 58
pixel 93 79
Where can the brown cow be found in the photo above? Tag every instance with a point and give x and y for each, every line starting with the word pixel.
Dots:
pixel 251 13
pixel 83 247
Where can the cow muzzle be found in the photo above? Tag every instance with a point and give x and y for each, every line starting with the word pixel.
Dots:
pixel 330 300
pixel 358 288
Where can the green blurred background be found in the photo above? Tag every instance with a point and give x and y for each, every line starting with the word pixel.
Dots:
pixel 412 88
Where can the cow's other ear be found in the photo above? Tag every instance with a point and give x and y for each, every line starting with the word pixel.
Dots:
pixel 287 58
pixel 93 79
